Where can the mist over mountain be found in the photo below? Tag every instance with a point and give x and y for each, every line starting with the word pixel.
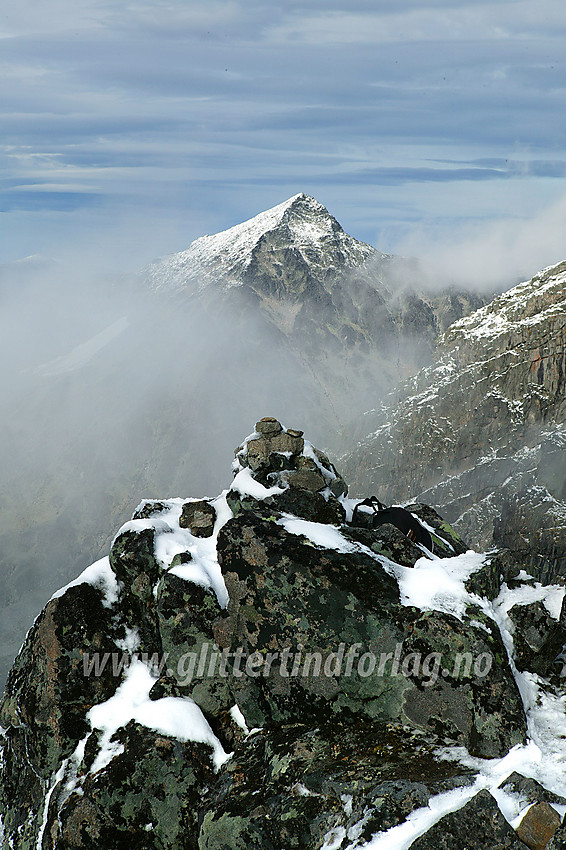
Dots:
pixel 129 390
pixel 115 386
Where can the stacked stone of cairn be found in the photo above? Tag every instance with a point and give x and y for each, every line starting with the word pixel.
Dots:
pixel 283 458
pixel 276 458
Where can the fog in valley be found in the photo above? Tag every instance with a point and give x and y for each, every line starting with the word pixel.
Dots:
pixel 111 394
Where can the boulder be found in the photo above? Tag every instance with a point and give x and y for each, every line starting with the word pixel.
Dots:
pixel 296 602
pixel 199 517
pixel 538 639
pixel 476 826
pixel 538 826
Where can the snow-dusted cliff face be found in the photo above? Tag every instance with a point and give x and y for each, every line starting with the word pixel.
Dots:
pixel 300 226
pixel 535 303
pixel 483 431
pixel 296 267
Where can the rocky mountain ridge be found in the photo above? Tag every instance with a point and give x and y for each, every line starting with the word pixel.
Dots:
pixel 254 670
pixel 482 431
pixel 310 277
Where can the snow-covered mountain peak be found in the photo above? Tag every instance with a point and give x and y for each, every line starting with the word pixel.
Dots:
pixel 300 224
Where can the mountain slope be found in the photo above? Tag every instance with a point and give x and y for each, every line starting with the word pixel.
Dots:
pixel 319 286
pixel 300 226
pixel 294 264
pixel 482 432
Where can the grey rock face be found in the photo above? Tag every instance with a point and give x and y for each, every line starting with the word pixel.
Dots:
pixel 281 246
pixel 482 432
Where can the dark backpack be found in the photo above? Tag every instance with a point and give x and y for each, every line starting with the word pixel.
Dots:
pixel 399 517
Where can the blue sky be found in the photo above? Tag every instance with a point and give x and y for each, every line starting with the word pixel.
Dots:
pixel 129 129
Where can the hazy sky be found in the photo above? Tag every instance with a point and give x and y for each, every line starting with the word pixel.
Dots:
pixel 130 128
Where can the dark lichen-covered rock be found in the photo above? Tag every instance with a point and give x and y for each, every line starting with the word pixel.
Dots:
pixel 189 616
pixel 293 602
pixel 538 639
pixel 446 541
pixel 50 688
pixel 150 508
pixel 388 541
pixel 477 826
pixel 486 582
pixel 285 594
pixel 530 790
pixel 145 799
pixel 132 559
pixel 309 506
pixel 300 502
pixel 558 840
pixel 295 786
pixel 466 688
pixel 501 567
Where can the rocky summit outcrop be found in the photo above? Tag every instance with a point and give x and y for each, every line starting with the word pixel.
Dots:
pixel 255 671
pixel 483 431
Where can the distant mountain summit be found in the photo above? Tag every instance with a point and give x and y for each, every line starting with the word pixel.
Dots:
pixel 299 232
pixel 324 290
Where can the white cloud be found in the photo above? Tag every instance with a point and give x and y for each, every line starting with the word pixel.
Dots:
pixel 457 22
pixel 50 16
pixel 494 251
pixel 57 187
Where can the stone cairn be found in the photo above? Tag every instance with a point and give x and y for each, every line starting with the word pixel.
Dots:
pixel 276 457
pixel 282 457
